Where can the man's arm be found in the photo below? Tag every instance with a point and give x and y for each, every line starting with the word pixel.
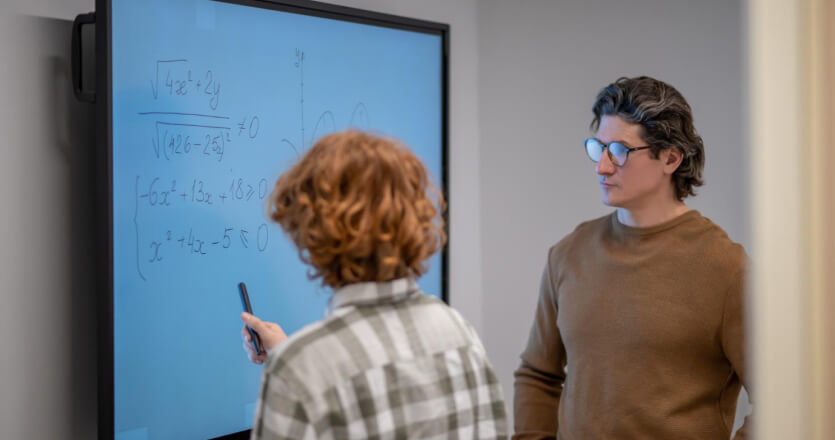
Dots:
pixel 733 341
pixel 539 379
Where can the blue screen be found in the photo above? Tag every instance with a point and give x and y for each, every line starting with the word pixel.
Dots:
pixel 211 102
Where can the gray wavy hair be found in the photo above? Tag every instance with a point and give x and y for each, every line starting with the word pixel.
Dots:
pixel 667 122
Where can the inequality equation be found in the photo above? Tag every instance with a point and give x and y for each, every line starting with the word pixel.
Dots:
pixel 198 134
pixel 159 192
pixel 191 243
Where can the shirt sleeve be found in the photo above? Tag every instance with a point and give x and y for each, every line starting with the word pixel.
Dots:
pixel 280 413
pixel 733 341
pixel 539 379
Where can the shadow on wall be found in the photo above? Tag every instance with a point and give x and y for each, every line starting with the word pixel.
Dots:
pixel 70 139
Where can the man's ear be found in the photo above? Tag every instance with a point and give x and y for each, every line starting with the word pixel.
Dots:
pixel 672 159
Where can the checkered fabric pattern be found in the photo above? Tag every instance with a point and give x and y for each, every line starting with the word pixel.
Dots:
pixel 388 362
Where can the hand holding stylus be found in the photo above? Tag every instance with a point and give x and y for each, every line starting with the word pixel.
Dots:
pixel 271 335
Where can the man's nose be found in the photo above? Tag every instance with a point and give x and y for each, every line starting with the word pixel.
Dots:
pixel 605 167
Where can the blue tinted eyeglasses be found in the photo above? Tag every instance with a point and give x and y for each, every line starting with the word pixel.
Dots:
pixel 617 151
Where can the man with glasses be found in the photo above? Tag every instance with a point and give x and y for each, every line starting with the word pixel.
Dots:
pixel 638 332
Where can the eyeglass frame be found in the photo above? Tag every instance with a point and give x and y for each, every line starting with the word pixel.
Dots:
pixel 609 152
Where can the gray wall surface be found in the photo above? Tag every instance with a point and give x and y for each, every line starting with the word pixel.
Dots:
pixel 541 64
pixel 48 369
pixel 523 75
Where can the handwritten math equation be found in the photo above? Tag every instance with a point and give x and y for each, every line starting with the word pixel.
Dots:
pixel 156 197
pixel 192 128
pixel 191 243
pixel 176 78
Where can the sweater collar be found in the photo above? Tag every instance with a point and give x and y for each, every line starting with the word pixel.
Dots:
pixel 372 293
pixel 622 229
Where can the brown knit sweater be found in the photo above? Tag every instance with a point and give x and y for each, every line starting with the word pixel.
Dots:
pixel 638 335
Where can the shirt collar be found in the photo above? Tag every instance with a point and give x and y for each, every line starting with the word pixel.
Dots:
pixel 372 293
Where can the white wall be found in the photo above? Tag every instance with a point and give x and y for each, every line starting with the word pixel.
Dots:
pixel 541 64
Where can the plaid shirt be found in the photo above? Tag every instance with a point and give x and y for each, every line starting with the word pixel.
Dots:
pixel 388 362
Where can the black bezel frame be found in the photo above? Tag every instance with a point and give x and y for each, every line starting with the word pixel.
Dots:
pixel 104 164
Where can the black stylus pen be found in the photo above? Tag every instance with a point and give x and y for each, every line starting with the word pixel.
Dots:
pixel 256 339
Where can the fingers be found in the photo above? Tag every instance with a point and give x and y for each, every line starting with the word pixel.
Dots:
pixel 253 322
pixel 271 334
pixel 257 325
pixel 253 357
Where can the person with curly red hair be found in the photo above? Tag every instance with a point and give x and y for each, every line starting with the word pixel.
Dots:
pixel 388 361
